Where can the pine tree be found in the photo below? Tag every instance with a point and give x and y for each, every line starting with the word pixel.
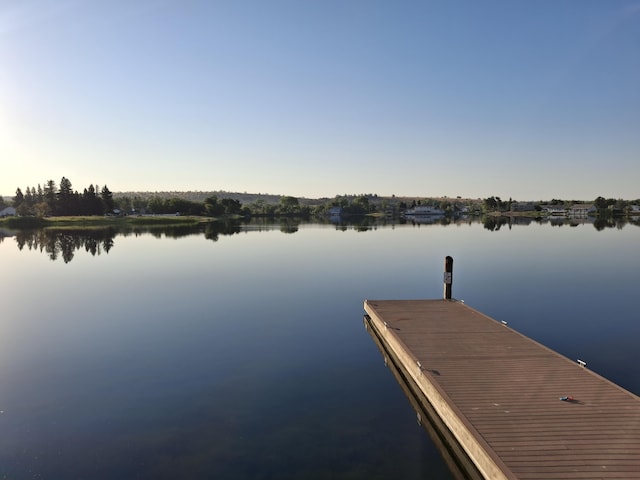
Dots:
pixel 50 195
pixel 18 199
pixel 107 199
pixel 65 197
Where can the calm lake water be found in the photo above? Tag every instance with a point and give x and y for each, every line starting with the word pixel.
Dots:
pixel 240 352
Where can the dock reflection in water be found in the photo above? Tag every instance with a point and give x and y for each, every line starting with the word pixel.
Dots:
pixel 459 463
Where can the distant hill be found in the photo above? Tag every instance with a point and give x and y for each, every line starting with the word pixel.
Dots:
pixel 198 196
pixel 271 199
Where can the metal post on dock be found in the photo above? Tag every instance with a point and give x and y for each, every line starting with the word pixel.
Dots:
pixel 448 276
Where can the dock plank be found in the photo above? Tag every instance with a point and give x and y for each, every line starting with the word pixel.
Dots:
pixel 499 394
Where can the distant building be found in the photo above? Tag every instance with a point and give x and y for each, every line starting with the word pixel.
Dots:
pixel 8 212
pixel 582 209
pixel 555 210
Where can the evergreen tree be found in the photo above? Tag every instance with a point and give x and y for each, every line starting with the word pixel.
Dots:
pixel 28 197
pixel 107 199
pixel 96 203
pixel 50 195
pixel 25 202
pixel 90 202
pixel 65 201
pixel 18 199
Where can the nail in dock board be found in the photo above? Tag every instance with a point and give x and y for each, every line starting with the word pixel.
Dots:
pixel 499 394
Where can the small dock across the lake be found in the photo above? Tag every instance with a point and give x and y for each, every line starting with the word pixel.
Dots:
pixel 518 409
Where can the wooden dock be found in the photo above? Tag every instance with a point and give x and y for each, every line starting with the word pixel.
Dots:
pixel 500 394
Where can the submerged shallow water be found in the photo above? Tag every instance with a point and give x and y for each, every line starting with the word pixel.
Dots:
pixel 239 352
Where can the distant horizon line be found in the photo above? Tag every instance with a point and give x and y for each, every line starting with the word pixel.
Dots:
pixel 413 197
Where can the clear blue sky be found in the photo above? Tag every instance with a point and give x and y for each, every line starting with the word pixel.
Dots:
pixel 530 100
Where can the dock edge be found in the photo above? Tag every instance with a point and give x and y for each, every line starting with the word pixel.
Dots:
pixel 480 453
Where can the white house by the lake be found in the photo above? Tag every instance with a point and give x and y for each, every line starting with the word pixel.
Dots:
pixel 556 210
pixel 575 210
pixel 582 209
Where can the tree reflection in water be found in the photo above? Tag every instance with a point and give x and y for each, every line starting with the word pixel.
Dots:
pixel 213 230
pixel 64 242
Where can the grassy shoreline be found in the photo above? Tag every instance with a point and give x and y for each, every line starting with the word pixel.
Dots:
pixel 98 221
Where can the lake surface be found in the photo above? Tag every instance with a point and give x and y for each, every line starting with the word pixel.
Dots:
pixel 240 352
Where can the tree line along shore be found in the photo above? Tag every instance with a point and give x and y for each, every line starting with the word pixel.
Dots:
pixel 61 203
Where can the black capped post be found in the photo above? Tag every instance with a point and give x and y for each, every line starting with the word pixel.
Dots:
pixel 448 276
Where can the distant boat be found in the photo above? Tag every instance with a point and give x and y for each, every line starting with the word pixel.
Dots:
pixel 424 210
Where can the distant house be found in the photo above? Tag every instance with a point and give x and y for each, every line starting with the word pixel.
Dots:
pixel 335 211
pixel 582 209
pixel 555 210
pixel 8 212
